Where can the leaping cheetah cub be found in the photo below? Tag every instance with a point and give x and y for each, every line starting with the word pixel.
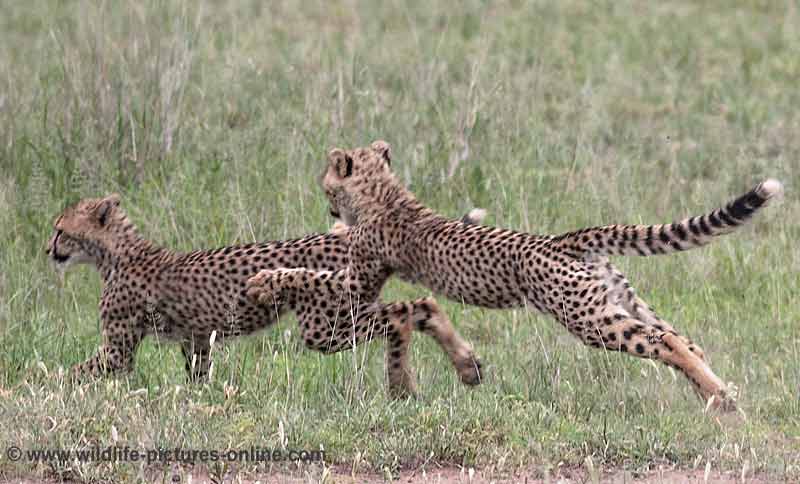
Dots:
pixel 567 276
pixel 186 296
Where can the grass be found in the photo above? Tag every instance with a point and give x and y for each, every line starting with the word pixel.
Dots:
pixel 213 121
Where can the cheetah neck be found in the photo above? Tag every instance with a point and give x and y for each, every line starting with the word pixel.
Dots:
pixel 125 245
pixel 378 199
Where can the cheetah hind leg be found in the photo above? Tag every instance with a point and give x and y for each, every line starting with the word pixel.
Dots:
pixel 625 295
pixel 688 358
pixel 642 311
pixel 637 338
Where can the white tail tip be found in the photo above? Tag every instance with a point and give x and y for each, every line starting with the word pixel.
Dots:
pixel 770 188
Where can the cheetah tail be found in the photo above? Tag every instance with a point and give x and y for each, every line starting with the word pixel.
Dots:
pixel 663 239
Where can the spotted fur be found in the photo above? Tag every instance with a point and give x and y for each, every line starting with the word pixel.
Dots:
pixel 568 277
pixel 183 297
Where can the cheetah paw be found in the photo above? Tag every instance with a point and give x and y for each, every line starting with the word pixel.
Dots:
pixel 724 400
pixel 470 370
pixel 261 287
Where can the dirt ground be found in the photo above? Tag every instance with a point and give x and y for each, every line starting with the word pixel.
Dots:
pixel 458 476
pixel 454 475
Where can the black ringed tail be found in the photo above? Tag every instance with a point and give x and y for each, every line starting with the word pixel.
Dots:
pixel 667 238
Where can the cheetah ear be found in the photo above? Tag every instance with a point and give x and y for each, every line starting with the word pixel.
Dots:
pixel 106 207
pixel 382 148
pixel 341 162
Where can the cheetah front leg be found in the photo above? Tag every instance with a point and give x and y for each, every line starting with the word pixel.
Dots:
pixel 399 319
pixel 115 355
pixel 428 317
pixel 347 322
pixel 270 286
pixel 333 319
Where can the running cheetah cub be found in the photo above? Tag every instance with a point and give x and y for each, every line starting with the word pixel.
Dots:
pixel 566 276
pixel 185 297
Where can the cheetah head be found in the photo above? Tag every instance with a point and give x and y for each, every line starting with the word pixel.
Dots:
pixel 83 230
pixel 351 176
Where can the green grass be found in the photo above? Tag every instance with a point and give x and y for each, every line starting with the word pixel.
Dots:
pixel 213 122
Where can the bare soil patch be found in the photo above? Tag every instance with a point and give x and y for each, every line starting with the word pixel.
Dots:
pixel 452 475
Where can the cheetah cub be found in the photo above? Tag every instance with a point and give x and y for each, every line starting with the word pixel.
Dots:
pixel 567 276
pixel 186 297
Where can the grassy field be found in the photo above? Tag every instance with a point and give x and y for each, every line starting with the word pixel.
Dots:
pixel 213 121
